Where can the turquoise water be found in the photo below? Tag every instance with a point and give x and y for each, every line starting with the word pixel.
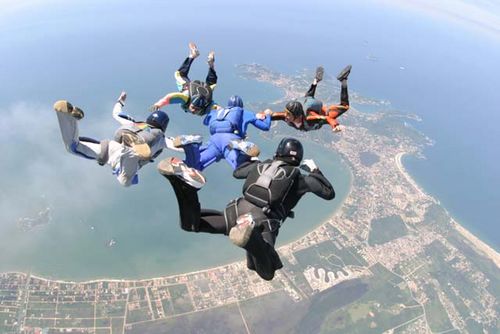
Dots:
pixel 84 54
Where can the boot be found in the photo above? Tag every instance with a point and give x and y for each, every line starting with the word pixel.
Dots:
pixel 344 73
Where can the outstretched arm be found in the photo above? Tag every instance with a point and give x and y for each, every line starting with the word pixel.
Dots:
pixel 118 113
pixel 172 98
pixel 317 183
pixel 261 121
pixel 278 115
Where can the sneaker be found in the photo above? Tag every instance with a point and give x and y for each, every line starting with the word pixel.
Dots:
pixel 67 108
pixel 319 73
pixel 137 143
pixel 211 58
pixel 344 73
pixel 244 146
pixel 177 167
pixel 241 233
pixel 169 142
pixel 183 140
pixel 193 50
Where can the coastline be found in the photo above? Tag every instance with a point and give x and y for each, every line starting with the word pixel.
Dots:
pixel 189 273
pixel 313 228
pixel 479 245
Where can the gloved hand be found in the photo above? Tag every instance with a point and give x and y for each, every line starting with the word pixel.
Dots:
pixel 260 115
pixel 154 108
pixel 309 165
pixel 122 97
pixel 338 128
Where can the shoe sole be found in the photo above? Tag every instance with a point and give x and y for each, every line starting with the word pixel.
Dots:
pixel 253 151
pixel 239 235
pixel 344 74
pixel 178 141
pixel 138 145
pixel 193 50
pixel 167 168
pixel 320 71
pixel 63 106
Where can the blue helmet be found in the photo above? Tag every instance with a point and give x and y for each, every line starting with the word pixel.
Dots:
pixel 235 101
pixel 158 119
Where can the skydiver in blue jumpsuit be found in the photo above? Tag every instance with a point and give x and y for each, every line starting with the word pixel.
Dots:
pixel 228 127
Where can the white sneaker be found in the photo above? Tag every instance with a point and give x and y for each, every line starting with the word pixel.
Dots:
pixel 211 58
pixel 169 142
pixel 183 140
pixel 193 50
pixel 177 167
pixel 244 146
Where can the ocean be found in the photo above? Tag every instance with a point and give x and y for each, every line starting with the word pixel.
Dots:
pixel 439 70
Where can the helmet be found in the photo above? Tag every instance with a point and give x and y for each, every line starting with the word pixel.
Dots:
pixel 290 150
pixel 235 101
pixel 199 103
pixel 295 108
pixel 158 119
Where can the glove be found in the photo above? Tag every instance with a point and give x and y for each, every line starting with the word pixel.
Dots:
pixel 122 97
pixel 260 115
pixel 309 165
pixel 338 128
pixel 154 108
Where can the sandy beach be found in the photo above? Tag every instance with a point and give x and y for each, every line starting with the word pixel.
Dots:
pixel 479 245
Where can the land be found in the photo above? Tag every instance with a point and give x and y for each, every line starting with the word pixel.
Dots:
pixel 427 274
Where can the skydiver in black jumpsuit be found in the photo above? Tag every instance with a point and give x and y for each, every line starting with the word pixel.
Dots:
pixel 256 235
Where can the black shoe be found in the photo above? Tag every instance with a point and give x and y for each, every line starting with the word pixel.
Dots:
pixel 344 73
pixel 319 73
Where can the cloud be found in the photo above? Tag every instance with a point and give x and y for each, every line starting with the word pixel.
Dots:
pixel 35 165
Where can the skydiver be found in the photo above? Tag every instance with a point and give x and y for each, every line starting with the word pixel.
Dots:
pixel 134 145
pixel 193 96
pixel 271 190
pixel 316 115
pixel 228 129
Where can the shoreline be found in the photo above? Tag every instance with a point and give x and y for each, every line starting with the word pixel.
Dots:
pixel 479 245
pixel 188 273
pixel 128 280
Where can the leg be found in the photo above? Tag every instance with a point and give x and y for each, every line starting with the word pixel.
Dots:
pixel 211 79
pixel 192 217
pixel 344 94
pixel 185 67
pixel 262 256
pixel 209 155
pixel 69 131
pixel 342 77
pixel 311 91
pixel 129 166
pixel 181 75
pixel 192 152
pixel 235 157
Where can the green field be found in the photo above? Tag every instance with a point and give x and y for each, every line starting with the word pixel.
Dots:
pixel 386 229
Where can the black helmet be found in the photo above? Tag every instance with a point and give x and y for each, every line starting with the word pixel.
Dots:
pixel 290 150
pixel 158 119
pixel 295 108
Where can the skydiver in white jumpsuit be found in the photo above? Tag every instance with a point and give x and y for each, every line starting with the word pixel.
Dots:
pixel 134 145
